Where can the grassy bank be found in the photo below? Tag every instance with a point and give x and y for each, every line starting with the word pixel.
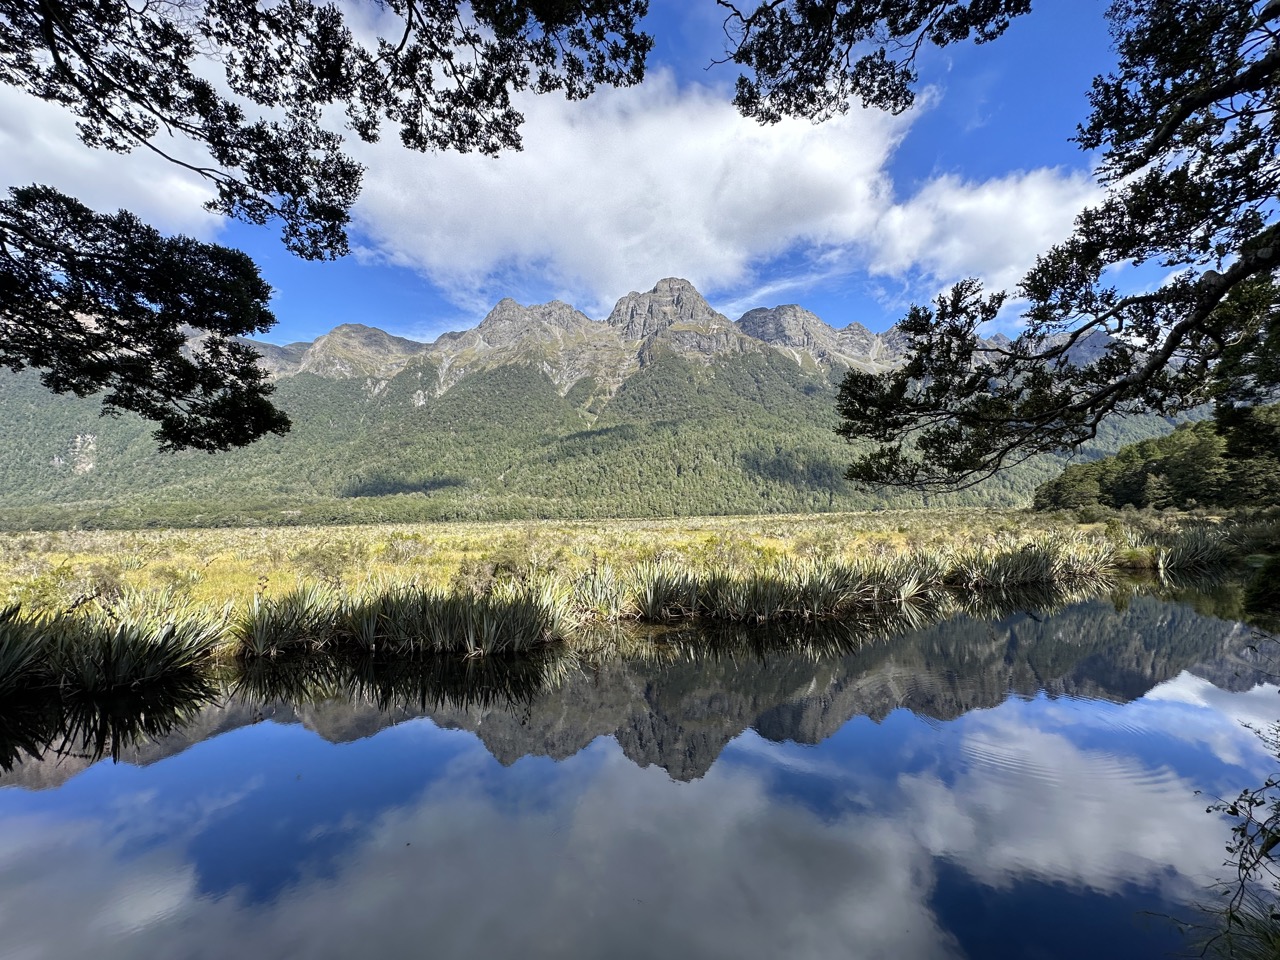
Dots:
pixel 55 571
pixel 100 611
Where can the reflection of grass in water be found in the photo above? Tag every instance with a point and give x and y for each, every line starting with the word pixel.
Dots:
pixel 90 727
pixel 425 683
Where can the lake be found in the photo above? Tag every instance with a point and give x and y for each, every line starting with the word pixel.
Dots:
pixel 1029 785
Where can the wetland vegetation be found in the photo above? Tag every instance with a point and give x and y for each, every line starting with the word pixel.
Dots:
pixel 91 613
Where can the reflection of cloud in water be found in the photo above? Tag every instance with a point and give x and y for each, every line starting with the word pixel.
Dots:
pixel 66 889
pixel 615 860
pixel 1030 804
pixel 631 865
pixel 1223 718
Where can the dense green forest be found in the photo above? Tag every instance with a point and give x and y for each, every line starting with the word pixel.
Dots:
pixel 1230 461
pixel 752 433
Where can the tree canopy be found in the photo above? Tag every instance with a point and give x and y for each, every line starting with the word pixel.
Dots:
pixel 269 91
pixel 1186 127
pixel 103 301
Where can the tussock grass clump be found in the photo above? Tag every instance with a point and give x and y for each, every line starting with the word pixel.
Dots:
pixel 98 654
pixel 1193 548
pixel 136 641
pixel 664 590
pixel 405 620
pixel 23 664
pixel 814 589
pixel 601 595
pixel 1056 560
pixel 302 619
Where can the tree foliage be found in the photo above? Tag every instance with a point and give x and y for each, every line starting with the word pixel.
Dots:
pixel 1231 464
pixel 1186 127
pixel 105 303
pixel 254 87
pixel 268 92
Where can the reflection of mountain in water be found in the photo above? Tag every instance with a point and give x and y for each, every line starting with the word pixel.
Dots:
pixel 680 710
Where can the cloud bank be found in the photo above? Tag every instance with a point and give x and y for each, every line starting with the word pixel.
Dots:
pixel 616 192
pixel 664 180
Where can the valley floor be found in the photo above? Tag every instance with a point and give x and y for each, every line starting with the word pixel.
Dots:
pixel 51 571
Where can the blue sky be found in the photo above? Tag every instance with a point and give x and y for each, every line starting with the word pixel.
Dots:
pixel 854 219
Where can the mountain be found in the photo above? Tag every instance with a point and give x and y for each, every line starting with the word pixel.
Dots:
pixel 665 407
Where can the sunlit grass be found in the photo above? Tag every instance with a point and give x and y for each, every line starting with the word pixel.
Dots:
pixel 477 589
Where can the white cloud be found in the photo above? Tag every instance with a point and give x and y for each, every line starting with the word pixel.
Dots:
pixel 38 144
pixel 663 180
pixel 616 192
pixel 953 228
pixel 629 187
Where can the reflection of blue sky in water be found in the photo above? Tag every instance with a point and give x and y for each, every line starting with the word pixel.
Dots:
pixel 1038 820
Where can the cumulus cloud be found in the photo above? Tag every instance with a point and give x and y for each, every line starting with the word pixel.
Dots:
pixel 631 186
pixel 666 179
pixel 954 228
pixel 613 193
pixel 38 144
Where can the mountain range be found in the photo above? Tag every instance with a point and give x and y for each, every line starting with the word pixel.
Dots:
pixel 665 407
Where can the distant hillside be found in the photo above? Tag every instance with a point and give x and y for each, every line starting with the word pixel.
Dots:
pixel 664 408
pixel 1205 464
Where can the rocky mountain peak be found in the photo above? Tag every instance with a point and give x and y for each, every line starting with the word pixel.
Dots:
pixel 509 322
pixel 355 350
pixel 788 325
pixel 672 301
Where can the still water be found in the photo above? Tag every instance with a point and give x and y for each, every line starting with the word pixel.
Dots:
pixel 1024 786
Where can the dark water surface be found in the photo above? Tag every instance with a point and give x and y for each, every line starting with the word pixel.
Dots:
pixel 1023 787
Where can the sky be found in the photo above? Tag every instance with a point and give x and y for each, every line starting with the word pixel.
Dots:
pixel 854 219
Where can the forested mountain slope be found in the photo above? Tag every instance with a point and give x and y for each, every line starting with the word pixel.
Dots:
pixel 665 408
pixel 1204 464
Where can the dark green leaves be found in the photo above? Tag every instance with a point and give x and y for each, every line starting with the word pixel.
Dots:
pixel 1190 146
pixel 810 58
pixel 103 302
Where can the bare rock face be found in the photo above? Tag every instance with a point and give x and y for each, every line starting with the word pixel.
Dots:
pixel 671 319
pixel 788 325
pixel 353 350
pixel 802 334
pixel 857 340
pixel 509 323
pixel 280 361
pixel 671 302
pixel 566 344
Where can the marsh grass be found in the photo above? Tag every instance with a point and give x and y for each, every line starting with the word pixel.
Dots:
pixel 137 640
pixel 1194 548
pixel 22 654
pixel 384 619
pixel 480 590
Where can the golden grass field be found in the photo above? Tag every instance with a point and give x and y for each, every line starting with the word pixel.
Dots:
pixel 53 570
